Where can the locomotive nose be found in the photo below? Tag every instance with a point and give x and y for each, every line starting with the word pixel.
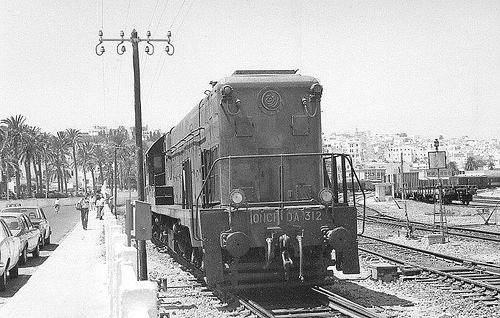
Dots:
pixel 338 238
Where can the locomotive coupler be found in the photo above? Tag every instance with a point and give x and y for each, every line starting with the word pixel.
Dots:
pixel 271 244
pixel 285 254
pixel 301 257
pixel 270 251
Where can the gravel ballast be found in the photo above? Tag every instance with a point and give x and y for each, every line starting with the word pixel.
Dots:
pixel 395 299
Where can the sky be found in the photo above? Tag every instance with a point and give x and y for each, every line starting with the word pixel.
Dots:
pixel 427 67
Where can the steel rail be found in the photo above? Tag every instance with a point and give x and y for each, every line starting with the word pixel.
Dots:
pixel 428 227
pixel 443 256
pixel 346 306
pixel 432 270
pixel 255 308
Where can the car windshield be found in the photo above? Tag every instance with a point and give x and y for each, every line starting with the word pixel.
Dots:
pixel 32 213
pixel 12 222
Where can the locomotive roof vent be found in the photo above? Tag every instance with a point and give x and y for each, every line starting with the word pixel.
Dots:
pixel 264 72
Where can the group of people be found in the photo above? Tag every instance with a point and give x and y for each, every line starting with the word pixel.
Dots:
pixel 94 202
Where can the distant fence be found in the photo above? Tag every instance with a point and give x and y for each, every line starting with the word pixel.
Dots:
pixel 121 198
pixel 39 202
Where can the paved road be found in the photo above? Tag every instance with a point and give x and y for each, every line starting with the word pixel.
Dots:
pixel 62 224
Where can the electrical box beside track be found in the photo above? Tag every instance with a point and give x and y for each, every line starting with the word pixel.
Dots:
pixel 142 220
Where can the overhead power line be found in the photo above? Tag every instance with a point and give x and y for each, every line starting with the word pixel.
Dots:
pixel 159 70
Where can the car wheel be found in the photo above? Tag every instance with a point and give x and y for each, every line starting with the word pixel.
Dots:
pixel 14 272
pixel 36 251
pixel 24 256
pixel 47 240
pixel 3 281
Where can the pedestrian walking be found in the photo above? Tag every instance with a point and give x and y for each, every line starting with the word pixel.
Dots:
pixel 83 205
pixel 57 205
pixel 93 200
pixel 111 204
pixel 100 205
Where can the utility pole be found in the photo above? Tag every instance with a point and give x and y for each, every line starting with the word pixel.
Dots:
pixel 116 184
pixel 120 49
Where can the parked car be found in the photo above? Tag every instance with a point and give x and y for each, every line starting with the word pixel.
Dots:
pixel 38 218
pixel 9 254
pixel 21 226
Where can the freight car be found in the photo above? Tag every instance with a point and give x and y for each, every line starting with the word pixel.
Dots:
pixel 480 181
pixel 240 187
pixel 428 191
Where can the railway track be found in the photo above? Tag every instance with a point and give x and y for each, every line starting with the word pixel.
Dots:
pixel 378 217
pixel 451 230
pixel 311 302
pixel 302 302
pixel 467 278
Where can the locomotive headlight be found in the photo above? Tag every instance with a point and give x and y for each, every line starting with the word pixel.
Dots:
pixel 226 91
pixel 316 91
pixel 237 197
pixel 325 196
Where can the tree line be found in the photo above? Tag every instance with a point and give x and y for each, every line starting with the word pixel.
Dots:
pixel 47 158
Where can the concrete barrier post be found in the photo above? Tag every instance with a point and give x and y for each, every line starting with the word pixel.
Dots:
pixel 137 299
pixel 118 241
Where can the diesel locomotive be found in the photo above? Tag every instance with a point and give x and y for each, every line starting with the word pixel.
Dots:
pixel 240 186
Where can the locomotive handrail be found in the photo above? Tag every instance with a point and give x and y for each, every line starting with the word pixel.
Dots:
pixel 321 154
pixel 184 140
pixel 362 192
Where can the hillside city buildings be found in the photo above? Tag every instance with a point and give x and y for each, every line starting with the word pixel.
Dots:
pixel 380 158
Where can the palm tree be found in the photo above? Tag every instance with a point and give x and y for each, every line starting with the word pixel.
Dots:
pixel 42 148
pixel 128 163
pixel 118 139
pixel 61 145
pixel 473 163
pixel 452 165
pixel 15 128
pixel 74 135
pixel 45 154
pixel 85 157
pixel 27 153
pixel 7 160
pixel 100 155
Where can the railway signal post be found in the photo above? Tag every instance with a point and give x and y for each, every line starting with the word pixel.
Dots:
pixel 120 49
pixel 437 160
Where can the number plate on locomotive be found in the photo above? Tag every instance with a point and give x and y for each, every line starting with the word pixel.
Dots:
pixel 285 216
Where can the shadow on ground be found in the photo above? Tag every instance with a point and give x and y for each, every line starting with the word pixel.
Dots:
pixel 367 297
pixel 25 272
